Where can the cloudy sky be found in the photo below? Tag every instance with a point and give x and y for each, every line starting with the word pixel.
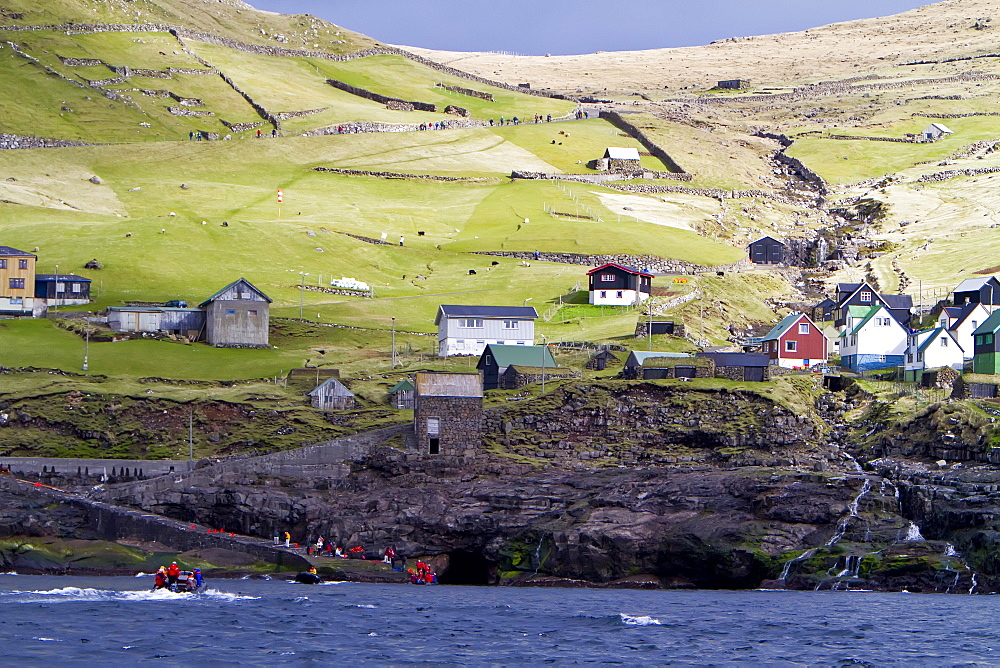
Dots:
pixel 537 27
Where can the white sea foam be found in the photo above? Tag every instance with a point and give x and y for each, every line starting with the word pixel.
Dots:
pixel 140 574
pixel 9 573
pixel 90 595
pixel 365 605
pixel 644 620
pixel 41 639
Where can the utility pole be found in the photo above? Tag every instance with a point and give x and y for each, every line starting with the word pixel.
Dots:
pixel 191 435
pixel 649 328
pixel 545 349
pixel 302 292
pixel 55 293
pixel 86 348
pixel 393 342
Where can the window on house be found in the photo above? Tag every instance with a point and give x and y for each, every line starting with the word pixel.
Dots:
pixel 3 264
pixel 865 297
pixel 22 264
pixel 944 322
pixel 510 324
pixel 17 284
pixel 618 294
pixel 920 357
pixel 230 311
pixel 433 426
pixel 60 287
pixel 974 325
pixel 16 301
pixel 854 340
pixel 604 294
pixel 252 312
pixel 944 342
pixel 607 278
pixel 791 346
pixel 803 328
pixel 76 287
pixel 489 359
pixel 987 339
pixel 471 322
pixel 909 357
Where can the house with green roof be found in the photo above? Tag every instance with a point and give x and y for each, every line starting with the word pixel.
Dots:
pixel 401 394
pixel 497 357
pixel 871 339
pixel 986 346
pixel 795 342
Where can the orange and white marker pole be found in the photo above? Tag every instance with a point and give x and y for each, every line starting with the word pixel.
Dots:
pixel 281 196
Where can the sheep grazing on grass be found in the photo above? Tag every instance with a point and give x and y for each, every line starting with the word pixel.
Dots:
pixel 472 272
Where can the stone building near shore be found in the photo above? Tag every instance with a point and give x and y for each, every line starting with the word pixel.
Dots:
pixel 448 413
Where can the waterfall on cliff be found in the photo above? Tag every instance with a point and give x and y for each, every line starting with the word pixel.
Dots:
pixel 913 533
pixel 788 564
pixel 852 512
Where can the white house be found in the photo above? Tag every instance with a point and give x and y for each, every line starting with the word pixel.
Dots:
pixel 614 284
pixel 466 330
pixel 936 131
pixel 871 339
pixel 932 349
pixel 962 321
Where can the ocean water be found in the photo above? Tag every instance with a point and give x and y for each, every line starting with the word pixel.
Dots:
pixel 119 621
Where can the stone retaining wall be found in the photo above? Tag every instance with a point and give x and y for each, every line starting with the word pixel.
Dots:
pixel 188 101
pixel 716 193
pixel 974 113
pixel 603 177
pixel 95 468
pixel 456 110
pixel 242 127
pixel 285 115
pixel 390 102
pixel 355 127
pixel 468 91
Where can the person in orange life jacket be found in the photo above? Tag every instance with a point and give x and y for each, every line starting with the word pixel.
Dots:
pixel 160 580
pixel 173 571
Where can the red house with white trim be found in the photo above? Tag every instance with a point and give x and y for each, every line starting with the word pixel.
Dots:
pixel 796 341
pixel 618 285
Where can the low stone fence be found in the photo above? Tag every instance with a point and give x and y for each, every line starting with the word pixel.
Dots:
pixel 82 62
pixel 393 175
pixel 285 115
pixel 602 177
pixel 360 127
pixel 970 114
pixel 390 102
pixel 242 127
pixel 191 70
pixel 188 101
pixel 468 91
pixel 20 141
pixel 649 262
pixel 899 140
pixel 950 174
pixel 716 193
pixel 456 110
pixel 184 111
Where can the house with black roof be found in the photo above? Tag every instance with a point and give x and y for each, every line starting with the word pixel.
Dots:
pixel 615 284
pixel 467 330
pixel 900 307
pixel 752 367
pixel 62 289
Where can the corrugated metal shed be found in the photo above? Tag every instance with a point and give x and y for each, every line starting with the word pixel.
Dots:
pixel 449 385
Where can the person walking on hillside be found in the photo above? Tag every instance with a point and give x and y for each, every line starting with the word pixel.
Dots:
pixel 258 133
pixel 277 537
pixel 400 239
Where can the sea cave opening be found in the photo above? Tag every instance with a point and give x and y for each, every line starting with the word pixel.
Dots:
pixel 466 568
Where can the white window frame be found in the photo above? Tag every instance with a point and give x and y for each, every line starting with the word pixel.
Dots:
pixel 803 328
pixel 511 324
pixel 433 426
pixel 865 297
pixel 608 278
pixel 471 323
pixel 791 346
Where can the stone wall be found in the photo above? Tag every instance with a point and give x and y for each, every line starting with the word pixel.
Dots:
pixel 898 140
pixel 468 91
pixel 355 127
pixel 950 174
pixel 456 111
pixel 390 102
pixel 243 127
pixel 648 262
pixel 193 113
pixel 460 432
pixel 95 468
pixel 619 121
pixel 391 175
pixel 188 101
pixel 285 115
pixel 20 141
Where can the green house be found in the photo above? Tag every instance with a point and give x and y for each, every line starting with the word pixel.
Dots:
pixel 986 346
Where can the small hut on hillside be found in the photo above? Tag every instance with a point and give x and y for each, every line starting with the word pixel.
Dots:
pixel 332 395
pixel 401 395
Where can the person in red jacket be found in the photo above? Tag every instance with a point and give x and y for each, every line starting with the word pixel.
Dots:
pixel 160 581
pixel 173 572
